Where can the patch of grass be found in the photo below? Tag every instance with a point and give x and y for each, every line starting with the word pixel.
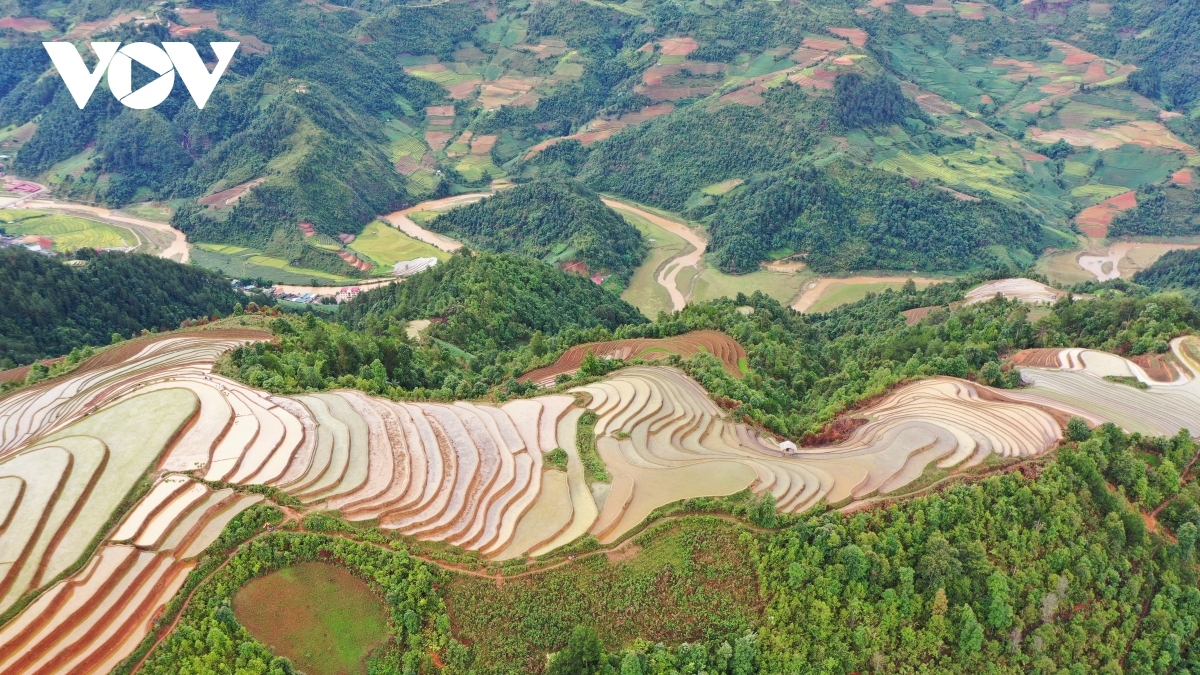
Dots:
pixel 1127 380
pixel 585 443
pixel 385 246
pixel 644 291
pixel 555 459
pixel 319 616
pixel 692 580
pixel 712 283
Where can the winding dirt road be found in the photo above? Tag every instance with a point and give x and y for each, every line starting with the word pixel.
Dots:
pixel 177 251
pixel 670 270
pixel 402 222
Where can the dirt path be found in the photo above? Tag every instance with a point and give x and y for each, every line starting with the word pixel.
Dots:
pixel 670 270
pixel 402 222
pixel 814 289
pixel 333 290
pixel 1095 264
pixel 177 251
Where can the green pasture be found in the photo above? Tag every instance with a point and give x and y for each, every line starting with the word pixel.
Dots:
pixel 236 261
pixel 319 616
pixel 385 246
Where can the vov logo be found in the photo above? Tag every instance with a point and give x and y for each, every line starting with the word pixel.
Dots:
pixel 117 61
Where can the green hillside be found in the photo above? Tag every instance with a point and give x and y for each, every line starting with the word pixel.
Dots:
pixel 48 309
pixel 553 220
pixel 490 301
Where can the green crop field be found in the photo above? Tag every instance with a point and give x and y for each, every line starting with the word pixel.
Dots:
pixel 319 616
pixel 236 261
pixel 385 246
pixel 838 294
pixel 1134 166
pixel 68 232
pixel 712 283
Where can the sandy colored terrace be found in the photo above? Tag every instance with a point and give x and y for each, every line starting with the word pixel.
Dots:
pixel 712 342
pixel 471 475
pixel 668 275
pixel 402 222
pixel 1124 258
pixel 814 290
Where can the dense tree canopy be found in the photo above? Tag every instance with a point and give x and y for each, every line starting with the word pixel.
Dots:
pixel 551 219
pixel 48 308
pixel 861 219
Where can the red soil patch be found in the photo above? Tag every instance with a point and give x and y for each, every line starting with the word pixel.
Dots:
pixel 440 111
pixel 915 315
pixel 856 36
pixel 483 145
pixel 1160 367
pixel 675 46
pixel 231 196
pixel 1080 58
pixel 406 166
pixel 748 96
pixel 307 229
pixel 575 267
pixel 364 39
pixel 647 113
pixel 462 90
pixel 1182 177
pixel 960 196
pixel 1034 157
pixel 923 10
pixel 806 57
pixel 1039 358
pixel 354 261
pixel 985 99
pixel 713 342
pixel 823 44
pixel 1094 220
pixel 26 24
pixel 835 432
pixel 437 139
pixel 1095 72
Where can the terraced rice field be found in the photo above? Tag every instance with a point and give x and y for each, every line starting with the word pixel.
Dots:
pixel 468 474
pixel 1025 290
pixel 712 342
pixel 1075 378
pixel 67 232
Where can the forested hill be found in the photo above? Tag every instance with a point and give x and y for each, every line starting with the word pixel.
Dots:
pixel 849 219
pixel 554 220
pixel 1176 270
pixel 47 308
pixel 492 301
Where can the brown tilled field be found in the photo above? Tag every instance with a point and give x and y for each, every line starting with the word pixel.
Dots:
pixel 713 342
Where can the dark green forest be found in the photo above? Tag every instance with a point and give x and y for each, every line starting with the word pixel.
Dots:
pixel 847 219
pixel 48 309
pixel 552 220
pixel 1176 270
pixel 1162 211
pixel 490 301
pixel 664 161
